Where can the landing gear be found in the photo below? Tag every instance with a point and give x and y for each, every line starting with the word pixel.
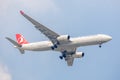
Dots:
pixel 58 43
pixel 100 46
pixel 63 55
pixel 52 48
pixel 55 45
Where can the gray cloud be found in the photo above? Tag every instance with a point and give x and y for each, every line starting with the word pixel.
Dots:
pixel 4 74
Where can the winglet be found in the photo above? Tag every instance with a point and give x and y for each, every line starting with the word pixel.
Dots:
pixel 21 12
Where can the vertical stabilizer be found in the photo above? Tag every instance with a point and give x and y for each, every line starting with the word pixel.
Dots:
pixel 20 39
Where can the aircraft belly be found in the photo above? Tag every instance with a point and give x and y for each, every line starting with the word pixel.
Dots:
pixel 37 46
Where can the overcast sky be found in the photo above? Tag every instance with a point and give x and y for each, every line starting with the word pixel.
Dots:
pixel 74 17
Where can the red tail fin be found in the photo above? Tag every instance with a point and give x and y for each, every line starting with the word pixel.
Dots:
pixel 20 39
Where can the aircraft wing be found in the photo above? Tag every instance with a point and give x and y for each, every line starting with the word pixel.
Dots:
pixel 69 60
pixel 69 52
pixel 52 36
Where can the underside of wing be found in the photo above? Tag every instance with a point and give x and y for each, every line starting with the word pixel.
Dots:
pixel 69 60
pixel 67 54
pixel 52 36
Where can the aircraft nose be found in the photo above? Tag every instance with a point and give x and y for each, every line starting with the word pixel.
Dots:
pixel 108 38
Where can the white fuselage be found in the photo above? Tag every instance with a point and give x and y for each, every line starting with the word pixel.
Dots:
pixel 73 43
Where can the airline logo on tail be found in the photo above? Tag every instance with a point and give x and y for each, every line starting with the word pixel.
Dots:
pixel 20 39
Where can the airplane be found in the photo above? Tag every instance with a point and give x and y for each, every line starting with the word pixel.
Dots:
pixel 62 43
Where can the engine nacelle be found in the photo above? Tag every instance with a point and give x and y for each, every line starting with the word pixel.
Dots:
pixel 78 55
pixel 63 38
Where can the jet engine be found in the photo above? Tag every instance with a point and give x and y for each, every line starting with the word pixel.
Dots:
pixel 78 55
pixel 63 38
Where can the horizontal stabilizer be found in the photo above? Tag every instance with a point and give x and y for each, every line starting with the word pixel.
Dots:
pixel 21 51
pixel 16 44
